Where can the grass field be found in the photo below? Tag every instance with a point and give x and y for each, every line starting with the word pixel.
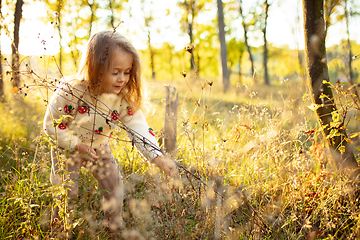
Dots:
pixel 256 168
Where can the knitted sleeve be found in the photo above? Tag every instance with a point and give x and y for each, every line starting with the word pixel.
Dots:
pixel 58 117
pixel 141 135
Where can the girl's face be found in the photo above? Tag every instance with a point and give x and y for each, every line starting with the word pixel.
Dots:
pixel 118 74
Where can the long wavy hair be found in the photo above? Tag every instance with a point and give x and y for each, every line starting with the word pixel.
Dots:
pixel 97 60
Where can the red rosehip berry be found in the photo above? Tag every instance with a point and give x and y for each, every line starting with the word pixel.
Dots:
pixel 62 126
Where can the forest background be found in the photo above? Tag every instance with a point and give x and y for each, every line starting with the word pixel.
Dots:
pixel 162 29
pixel 255 164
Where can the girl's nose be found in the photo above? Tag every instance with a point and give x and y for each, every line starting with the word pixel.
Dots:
pixel 121 78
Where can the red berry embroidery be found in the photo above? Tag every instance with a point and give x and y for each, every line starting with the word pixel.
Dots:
pixel 100 130
pixel 130 110
pixel 115 115
pixel 68 108
pixel 151 131
pixel 62 126
pixel 83 109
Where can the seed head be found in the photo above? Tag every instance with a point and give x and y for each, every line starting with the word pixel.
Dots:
pixel 210 83
pixel 190 48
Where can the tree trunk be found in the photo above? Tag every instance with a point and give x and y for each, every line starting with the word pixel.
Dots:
pixel 318 72
pixel 15 46
pixel 247 40
pixel 189 6
pixel 151 55
pixel 191 10
pixel 170 120
pixel 1 70
pixel 223 50
pixel 92 10
pixel 112 18
pixel 265 55
pixel 74 54
pixel 74 42
pixel 350 75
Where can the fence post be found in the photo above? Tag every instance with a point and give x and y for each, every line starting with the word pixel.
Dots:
pixel 170 120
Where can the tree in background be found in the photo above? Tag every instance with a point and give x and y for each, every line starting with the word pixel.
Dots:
pixel 206 39
pixel 191 9
pixel 346 15
pixel 148 19
pixel 284 62
pixel 235 56
pixel 223 50
pixel 315 34
pixel 246 39
pixel 187 20
pixel 58 21
pixel 93 6
pixel 57 8
pixel 337 11
pixel 329 9
pixel 115 8
pixel 15 64
pixel 300 53
pixel 112 18
pixel 266 6
pixel 78 26
pixel 74 21
pixel 74 26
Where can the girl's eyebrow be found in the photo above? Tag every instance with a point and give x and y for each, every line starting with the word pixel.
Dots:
pixel 129 68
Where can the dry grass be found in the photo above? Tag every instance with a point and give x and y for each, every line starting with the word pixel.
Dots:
pixel 251 170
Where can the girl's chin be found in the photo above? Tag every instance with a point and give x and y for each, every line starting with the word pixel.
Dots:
pixel 116 91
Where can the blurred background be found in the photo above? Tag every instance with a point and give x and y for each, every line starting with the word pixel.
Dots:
pixel 161 29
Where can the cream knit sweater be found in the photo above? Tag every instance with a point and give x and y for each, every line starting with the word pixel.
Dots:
pixel 73 116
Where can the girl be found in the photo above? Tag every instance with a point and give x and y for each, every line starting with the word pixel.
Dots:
pixel 84 110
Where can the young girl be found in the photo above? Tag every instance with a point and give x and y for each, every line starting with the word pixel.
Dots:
pixel 84 110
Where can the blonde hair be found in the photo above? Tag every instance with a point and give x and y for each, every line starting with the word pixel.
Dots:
pixel 96 61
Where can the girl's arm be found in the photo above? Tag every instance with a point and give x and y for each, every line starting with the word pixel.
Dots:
pixel 146 142
pixel 55 111
pixel 142 136
pixel 165 164
pixel 86 152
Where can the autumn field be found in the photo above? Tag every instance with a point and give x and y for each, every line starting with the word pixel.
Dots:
pixel 252 165
pixel 267 119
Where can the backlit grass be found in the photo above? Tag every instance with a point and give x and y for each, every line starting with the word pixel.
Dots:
pixel 253 171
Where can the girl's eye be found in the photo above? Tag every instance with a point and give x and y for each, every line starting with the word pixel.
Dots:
pixel 115 73
pixel 127 73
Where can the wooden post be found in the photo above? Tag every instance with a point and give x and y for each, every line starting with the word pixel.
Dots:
pixel 170 120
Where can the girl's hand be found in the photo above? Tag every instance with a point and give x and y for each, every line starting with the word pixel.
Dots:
pixel 165 164
pixel 86 152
